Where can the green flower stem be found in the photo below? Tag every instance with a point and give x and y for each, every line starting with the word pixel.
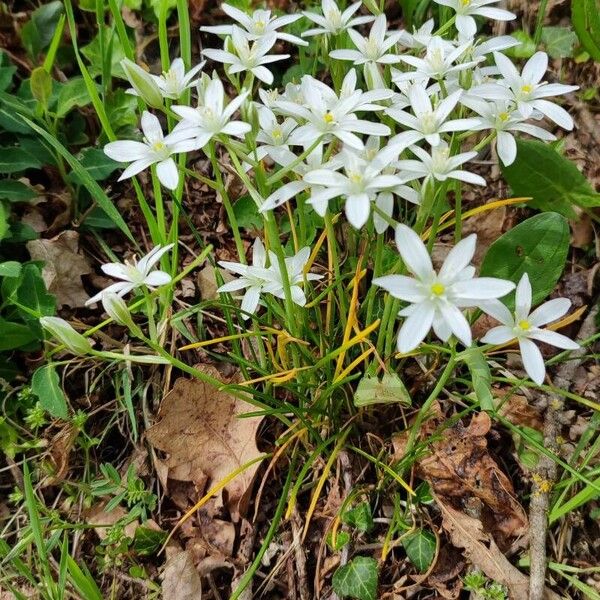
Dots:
pixel 283 172
pixel 226 203
pixel 159 206
pixel 343 304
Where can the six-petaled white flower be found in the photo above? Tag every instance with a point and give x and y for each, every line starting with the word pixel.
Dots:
pixel 211 117
pixel 467 9
pixel 374 49
pixel 135 274
pixel 175 81
pixel 436 299
pixel 257 25
pixel 439 165
pixel 525 326
pixel 247 55
pixel 156 149
pixel 333 21
pixel 528 90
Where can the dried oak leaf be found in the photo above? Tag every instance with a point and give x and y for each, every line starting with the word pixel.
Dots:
pixel 63 267
pixel 200 428
pixel 180 580
pixel 479 547
pixel 461 468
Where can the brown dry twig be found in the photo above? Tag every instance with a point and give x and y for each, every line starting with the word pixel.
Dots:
pixel 546 472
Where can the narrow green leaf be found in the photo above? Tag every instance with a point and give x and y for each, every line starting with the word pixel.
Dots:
pixel 93 188
pixel 481 377
pixel 45 385
pixel 585 15
pixel 538 247
pixel 357 579
pixel 15 191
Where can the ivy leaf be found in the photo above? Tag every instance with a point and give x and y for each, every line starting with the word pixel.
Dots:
pixel 480 376
pixel 553 181
pixel 360 517
pixel 45 385
pixel 341 539
pixel 357 579
pixel 559 41
pixel 420 548
pixel 390 389
pixel 538 246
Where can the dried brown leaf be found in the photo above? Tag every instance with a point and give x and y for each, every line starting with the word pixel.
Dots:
pixel 63 267
pixel 460 468
pixel 201 430
pixel 180 580
pixel 467 532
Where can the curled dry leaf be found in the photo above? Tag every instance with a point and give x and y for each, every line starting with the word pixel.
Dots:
pixel 479 547
pixel 460 468
pixel 60 447
pixel 63 267
pixel 201 429
pixel 180 580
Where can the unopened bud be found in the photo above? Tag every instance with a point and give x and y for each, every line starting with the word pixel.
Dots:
pixel 66 335
pixel 143 83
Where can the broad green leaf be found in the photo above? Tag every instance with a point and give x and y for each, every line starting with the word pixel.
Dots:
pixel 93 53
pixel 246 213
pixel 538 246
pixel 14 159
pixel 37 33
pixel 45 385
pixel 553 181
pixel 480 376
pixel 6 77
pixel 10 268
pixel 96 163
pixel 420 548
pixel 359 517
pixel 15 191
pixel 585 15
pixel 92 187
pixel 357 579
pixel 71 94
pixel 390 389
pixel 15 335
pixel 559 41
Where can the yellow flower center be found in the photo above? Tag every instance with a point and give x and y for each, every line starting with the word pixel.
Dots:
pixel 260 25
pixel 158 146
pixel 328 118
pixel 465 2
pixel 437 289
pixel 277 135
pixel 527 88
pixel 504 116
pixel 355 177
pixel 524 325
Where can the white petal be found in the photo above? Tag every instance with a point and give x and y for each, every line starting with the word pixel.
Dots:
pixel 481 288
pixel 357 209
pixel 151 127
pixel 401 287
pixel 233 286
pixel 250 300
pixel 498 311
pixel 535 68
pixel 459 257
pixel 554 339
pixel 523 298
pixel 126 150
pixel 498 335
pixel 555 113
pixel 549 311
pixel 413 252
pixel 458 324
pixel 506 147
pixel 533 360
pixel 416 327
pixel 157 278
pixel 298 296
pixel 167 173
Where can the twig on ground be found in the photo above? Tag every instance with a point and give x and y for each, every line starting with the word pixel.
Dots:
pixel 546 472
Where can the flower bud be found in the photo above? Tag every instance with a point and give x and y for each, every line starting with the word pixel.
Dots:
pixel 65 334
pixel 117 309
pixel 143 83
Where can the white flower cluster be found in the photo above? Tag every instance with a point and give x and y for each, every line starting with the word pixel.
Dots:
pixel 412 126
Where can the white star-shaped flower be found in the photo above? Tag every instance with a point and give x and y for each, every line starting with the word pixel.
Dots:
pixel 525 326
